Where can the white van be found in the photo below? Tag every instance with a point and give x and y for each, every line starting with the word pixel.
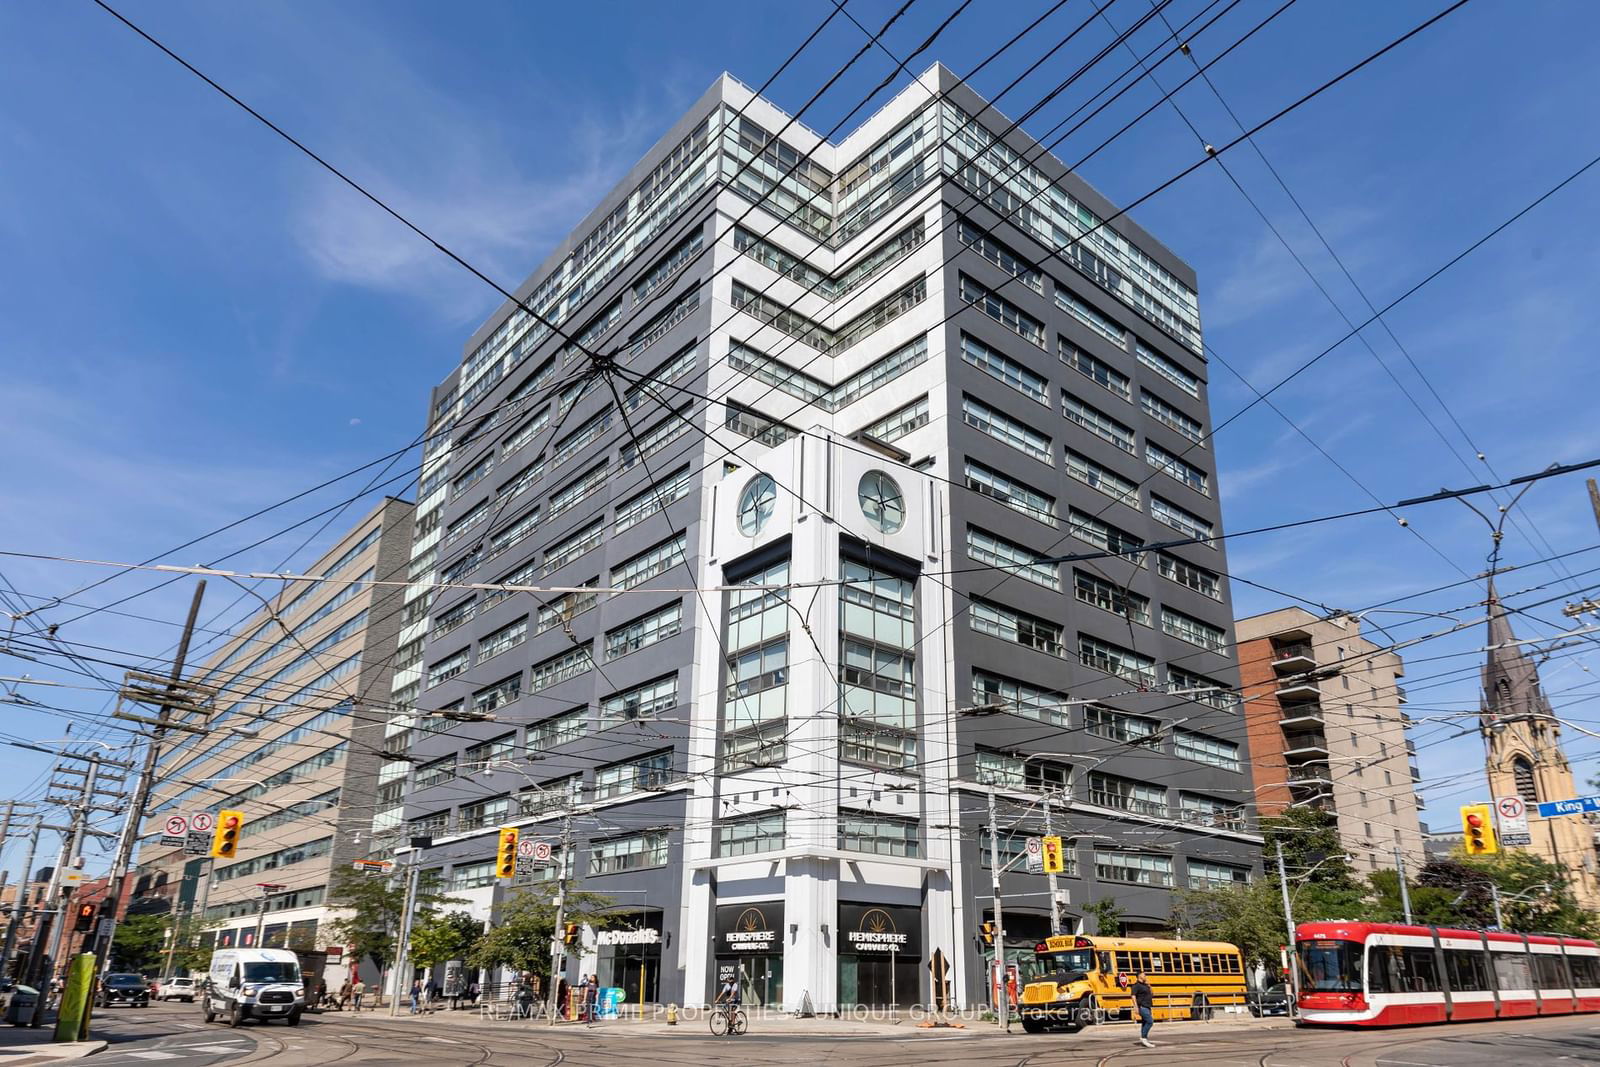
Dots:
pixel 253 983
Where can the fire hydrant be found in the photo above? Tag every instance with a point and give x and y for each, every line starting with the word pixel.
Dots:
pixel 672 1015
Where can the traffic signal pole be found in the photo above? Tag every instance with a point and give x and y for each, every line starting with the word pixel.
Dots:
pixel 403 945
pixel 558 946
pixel 1050 875
pixel 141 793
pixel 1003 1001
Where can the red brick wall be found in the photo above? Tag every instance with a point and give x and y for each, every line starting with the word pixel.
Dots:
pixel 1268 768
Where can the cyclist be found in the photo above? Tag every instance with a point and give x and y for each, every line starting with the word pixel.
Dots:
pixel 729 994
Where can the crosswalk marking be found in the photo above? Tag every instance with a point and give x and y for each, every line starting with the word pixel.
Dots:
pixel 155 1054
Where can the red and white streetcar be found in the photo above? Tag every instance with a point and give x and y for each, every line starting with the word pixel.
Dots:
pixel 1384 974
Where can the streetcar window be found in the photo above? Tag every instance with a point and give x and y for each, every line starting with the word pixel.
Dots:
pixel 1511 971
pixel 1585 971
pixel 1467 969
pixel 1422 971
pixel 1330 967
pixel 1548 970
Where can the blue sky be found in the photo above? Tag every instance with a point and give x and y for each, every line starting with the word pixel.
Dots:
pixel 199 322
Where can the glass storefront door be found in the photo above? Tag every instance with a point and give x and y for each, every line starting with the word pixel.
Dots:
pixel 760 978
pixel 878 982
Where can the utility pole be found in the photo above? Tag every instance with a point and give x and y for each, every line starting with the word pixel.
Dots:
pixel 1050 877
pixel 1002 1003
pixel 1405 894
pixel 23 886
pixel 403 946
pixel 1494 894
pixel 1594 500
pixel 173 696
pixel 558 944
pixel 1288 920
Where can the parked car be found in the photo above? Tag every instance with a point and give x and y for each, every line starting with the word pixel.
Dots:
pixel 131 989
pixel 177 989
pixel 1273 1000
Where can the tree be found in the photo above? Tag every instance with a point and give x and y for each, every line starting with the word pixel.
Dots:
pixel 1312 851
pixel 444 937
pixel 376 907
pixel 1535 893
pixel 140 944
pixel 1250 916
pixel 520 936
pixel 1107 915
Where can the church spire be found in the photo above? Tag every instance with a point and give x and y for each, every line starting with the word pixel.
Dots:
pixel 1510 678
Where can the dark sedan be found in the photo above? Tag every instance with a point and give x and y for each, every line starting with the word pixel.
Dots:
pixel 1273 1000
pixel 131 989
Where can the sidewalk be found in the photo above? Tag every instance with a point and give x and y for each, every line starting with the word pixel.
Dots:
pixel 23 1046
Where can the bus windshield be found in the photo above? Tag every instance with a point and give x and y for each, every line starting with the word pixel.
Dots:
pixel 1330 967
pixel 1077 959
pixel 271 972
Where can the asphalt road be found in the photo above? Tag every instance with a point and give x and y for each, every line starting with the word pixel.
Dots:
pixel 174 1034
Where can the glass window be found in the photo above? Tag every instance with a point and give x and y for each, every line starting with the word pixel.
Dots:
pixel 646 701
pixel 1197 810
pixel 758 833
pixel 559 668
pixel 1018 627
pixel 557 730
pixel 1118 725
pixel 1205 749
pixel 645 631
pixel 756 504
pixel 1095 369
pixel 1108 596
pixel 1103 479
pixel 634 510
pixel 649 563
pixel 1187 574
pixel 984 243
pixel 628 853
pixel 1171 417
pixel 1169 463
pixel 1005 369
pixel 1110 659
pixel 879 835
pixel 899 422
pixel 650 772
pixel 1011 492
pixel 1020 698
pixel 1006 430
pixel 1024 562
pixel 1002 311
pixel 1101 324
pixel 506 637
pixel 1097 422
pixel 1185 522
pixel 1134 869
pixel 882 502
pixel 1190 629
pixel 1167 368
pixel 1124 794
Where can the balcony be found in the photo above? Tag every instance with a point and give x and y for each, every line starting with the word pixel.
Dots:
pixel 1303 717
pixel 1305 746
pixel 1411 747
pixel 1315 774
pixel 1298 690
pixel 1293 657
pixel 1416 775
pixel 1400 694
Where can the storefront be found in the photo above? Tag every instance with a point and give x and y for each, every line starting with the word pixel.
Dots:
pixel 750 946
pixel 629 957
pixel 880 955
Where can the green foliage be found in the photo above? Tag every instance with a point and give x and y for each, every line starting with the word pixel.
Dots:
pixel 1535 894
pixel 1250 916
pixel 140 944
pixel 193 953
pixel 438 938
pixel 521 932
pixel 376 906
pixel 1312 851
pixel 1107 915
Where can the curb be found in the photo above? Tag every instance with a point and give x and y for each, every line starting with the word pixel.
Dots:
pixel 53 1053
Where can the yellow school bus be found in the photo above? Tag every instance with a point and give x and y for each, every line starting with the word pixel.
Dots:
pixel 1086 979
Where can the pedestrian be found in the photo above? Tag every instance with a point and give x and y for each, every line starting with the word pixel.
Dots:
pixel 472 992
pixel 1144 1002
pixel 358 991
pixel 591 998
pixel 524 999
pixel 344 994
pixel 416 993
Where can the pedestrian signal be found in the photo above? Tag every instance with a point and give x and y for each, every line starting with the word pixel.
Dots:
pixel 505 862
pixel 85 918
pixel 569 934
pixel 225 838
pixel 1477 829
pixel 1055 861
pixel 986 931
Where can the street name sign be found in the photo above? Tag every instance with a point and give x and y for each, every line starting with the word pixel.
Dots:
pixel 1577 806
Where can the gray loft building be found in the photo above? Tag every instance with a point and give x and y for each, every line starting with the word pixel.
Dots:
pixel 851 377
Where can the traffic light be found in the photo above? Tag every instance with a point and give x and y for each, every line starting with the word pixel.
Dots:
pixel 986 931
pixel 1477 828
pixel 85 918
pixel 569 933
pixel 225 838
pixel 1050 852
pixel 505 861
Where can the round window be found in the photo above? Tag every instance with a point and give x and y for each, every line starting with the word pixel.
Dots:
pixel 882 502
pixel 760 496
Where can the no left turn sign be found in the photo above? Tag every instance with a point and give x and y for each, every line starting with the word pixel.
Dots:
pixel 1511 807
pixel 177 825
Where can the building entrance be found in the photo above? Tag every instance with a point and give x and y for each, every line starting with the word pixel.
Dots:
pixel 750 948
pixel 880 956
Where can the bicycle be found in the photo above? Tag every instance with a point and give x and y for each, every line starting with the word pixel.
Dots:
pixel 729 1018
